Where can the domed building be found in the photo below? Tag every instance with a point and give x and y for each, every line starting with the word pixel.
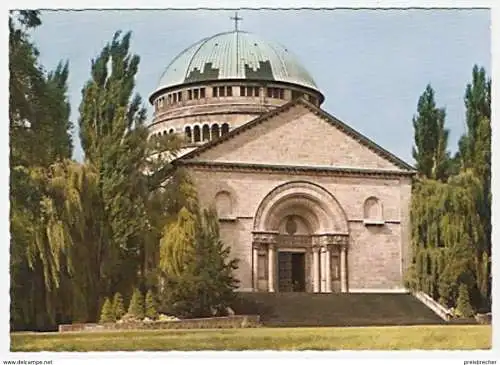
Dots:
pixel 304 201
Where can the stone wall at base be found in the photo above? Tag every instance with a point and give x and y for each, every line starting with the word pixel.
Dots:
pixel 212 322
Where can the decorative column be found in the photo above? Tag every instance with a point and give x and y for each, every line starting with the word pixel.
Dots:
pixel 343 269
pixel 271 263
pixel 328 270
pixel 323 270
pixel 316 268
pixel 255 268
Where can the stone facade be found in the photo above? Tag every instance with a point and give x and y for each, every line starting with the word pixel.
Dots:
pixel 350 200
pixel 305 202
pixel 376 253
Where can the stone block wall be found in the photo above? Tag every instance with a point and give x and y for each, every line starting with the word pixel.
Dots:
pixel 375 253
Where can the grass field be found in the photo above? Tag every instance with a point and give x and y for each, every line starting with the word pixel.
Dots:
pixel 340 338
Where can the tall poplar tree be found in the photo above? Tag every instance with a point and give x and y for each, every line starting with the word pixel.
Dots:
pixel 476 155
pixel 133 169
pixel 431 138
pixel 111 130
pixel 451 220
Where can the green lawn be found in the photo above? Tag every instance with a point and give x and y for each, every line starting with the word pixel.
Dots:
pixel 339 338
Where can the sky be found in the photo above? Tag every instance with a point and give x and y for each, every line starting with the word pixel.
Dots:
pixel 371 65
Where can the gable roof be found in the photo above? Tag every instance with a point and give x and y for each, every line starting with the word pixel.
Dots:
pixel 317 111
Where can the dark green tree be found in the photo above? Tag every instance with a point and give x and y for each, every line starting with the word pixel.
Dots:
pixel 478 108
pixel 150 305
pixel 451 220
pixel 107 312
pixel 431 138
pixel 136 307
pixel 57 103
pixel 118 306
pixel 107 120
pixel 132 172
pixel 38 104
pixel 200 281
pixel 464 307
pixel 39 131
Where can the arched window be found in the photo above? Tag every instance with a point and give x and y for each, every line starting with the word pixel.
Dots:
pixel 206 132
pixel 215 131
pixel 223 204
pixel 196 133
pixel 225 129
pixel 189 136
pixel 171 131
pixel 372 211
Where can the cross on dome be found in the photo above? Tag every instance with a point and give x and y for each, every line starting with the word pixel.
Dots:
pixel 236 18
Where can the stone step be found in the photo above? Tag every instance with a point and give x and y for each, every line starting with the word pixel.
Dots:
pixel 335 309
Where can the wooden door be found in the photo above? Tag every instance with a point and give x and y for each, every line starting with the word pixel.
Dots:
pixel 285 272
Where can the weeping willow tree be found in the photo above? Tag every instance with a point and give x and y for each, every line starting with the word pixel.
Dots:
pixel 177 244
pixel 447 234
pixel 68 242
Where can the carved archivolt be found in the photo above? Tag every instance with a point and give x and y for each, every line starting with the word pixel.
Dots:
pixel 311 202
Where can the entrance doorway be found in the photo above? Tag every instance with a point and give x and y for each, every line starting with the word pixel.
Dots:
pixel 292 271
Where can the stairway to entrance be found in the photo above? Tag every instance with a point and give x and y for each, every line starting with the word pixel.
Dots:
pixel 335 309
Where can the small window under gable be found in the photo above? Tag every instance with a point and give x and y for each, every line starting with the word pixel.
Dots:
pixel 372 212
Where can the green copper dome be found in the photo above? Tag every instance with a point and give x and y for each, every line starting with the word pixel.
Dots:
pixel 235 55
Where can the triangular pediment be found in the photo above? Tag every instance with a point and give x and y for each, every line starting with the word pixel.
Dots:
pixel 298 134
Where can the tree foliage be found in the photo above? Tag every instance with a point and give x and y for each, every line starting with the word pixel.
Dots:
pixel 118 306
pixel 115 140
pixel 107 314
pixel 82 231
pixel 431 138
pixel 136 307
pixel 38 104
pixel 451 219
pixel 39 130
pixel 199 272
pixel 150 306
pixel 464 308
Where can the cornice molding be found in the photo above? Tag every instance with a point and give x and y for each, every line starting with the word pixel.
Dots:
pixel 305 170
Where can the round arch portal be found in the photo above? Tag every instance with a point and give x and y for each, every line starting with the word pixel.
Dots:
pixel 300 237
pixel 310 201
